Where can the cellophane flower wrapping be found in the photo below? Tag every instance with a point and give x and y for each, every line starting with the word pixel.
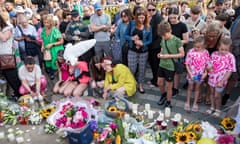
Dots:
pixel 71 115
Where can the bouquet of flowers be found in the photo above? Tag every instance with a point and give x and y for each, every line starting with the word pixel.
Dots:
pixel 228 123
pixel 70 115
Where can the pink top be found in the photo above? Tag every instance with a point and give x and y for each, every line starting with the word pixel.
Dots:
pixel 221 64
pixel 197 61
pixel 81 72
pixel 64 68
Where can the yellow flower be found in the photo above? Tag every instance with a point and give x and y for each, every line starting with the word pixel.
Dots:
pixel 118 139
pixel 228 123
pixel 182 137
pixel 95 135
pixel 197 128
pixel 192 135
pixel 189 127
pixel 175 133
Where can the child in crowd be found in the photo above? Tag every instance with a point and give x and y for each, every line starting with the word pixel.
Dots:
pixel 97 75
pixel 172 48
pixel 63 74
pixel 196 63
pixel 222 65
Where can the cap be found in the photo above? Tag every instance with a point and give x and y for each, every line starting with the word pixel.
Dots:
pixel 19 9
pixel 219 1
pixel 74 13
pixel 97 6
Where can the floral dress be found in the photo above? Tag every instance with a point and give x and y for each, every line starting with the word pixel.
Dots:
pixel 221 65
pixel 52 37
pixel 197 61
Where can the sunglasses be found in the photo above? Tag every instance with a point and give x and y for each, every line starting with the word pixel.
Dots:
pixel 139 12
pixel 151 10
pixel 123 16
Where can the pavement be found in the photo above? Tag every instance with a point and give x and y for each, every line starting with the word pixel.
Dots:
pixel 151 96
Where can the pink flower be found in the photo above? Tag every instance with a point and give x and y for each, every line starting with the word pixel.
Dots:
pixel 84 114
pixel 113 126
pixel 225 139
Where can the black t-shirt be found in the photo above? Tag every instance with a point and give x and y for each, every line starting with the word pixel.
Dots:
pixel 178 29
pixel 63 26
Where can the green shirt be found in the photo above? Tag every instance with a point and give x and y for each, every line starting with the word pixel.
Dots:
pixel 173 45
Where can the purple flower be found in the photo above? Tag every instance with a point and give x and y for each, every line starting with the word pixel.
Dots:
pixel 93 125
pixel 113 126
pixel 225 139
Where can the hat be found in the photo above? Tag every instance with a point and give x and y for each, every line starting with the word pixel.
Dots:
pixel 97 6
pixel 219 1
pixel 74 13
pixel 19 9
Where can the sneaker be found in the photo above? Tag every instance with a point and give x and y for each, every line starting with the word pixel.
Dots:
pixel 162 99
pixel 225 99
pixel 168 104
pixel 175 92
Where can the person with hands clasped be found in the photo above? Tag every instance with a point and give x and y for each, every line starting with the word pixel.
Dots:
pixel 52 40
pixel 172 48
pixel 196 63
pixel 221 66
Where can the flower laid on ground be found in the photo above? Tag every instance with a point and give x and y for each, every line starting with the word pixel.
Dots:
pixel 11 114
pixel 35 118
pixel 225 139
pixel 24 115
pixel 50 129
pixel 47 111
pixel 228 123
pixel 71 116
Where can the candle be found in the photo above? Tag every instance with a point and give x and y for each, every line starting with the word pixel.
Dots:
pixel 135 108
pixel 147 107
pixel 11 137
pixel 126 117
pixel 150 114
pixel 19 140
pixel 2 135
pixel 167 112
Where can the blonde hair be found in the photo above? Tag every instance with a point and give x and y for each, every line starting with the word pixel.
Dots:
pixel 50 19
pixel 212 14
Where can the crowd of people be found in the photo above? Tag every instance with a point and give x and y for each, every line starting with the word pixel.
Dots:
pixel 202 40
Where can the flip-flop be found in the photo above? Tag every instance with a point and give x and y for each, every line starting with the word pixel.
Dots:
pixel 199 100
pixel 207 102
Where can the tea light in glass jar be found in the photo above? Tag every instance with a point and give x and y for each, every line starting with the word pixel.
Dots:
pixel 150 114
pixel 11 137
pixel 20 140
pixel 167 112
pixel 2 135
pixel 147 107
pixel 135 108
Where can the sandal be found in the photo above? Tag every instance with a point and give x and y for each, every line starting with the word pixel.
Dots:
pixel 209 111
pixel 207 102
pixel 186 107
pixel 217 113
pixel 195 108
pixel 199 100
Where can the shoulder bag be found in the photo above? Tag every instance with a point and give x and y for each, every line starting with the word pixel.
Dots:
pixel 178 66
pixel 126 47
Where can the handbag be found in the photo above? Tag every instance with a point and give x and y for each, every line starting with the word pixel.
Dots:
pixel 7 61
pixel 126 47
pixel 178 66
pixel 116 50
pixel 32 48
pixel 47 55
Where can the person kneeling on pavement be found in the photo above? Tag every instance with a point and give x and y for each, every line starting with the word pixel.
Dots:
pixel 118 79
pixel 32 80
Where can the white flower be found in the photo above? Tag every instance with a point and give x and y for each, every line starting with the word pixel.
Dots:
pixel 209 131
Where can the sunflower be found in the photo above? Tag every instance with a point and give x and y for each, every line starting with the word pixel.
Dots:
pixel 182 137
pixel 192 135
pixel 197 128
pixel 228 123
pixel 112 109
pixel 95 135
pixel 189 127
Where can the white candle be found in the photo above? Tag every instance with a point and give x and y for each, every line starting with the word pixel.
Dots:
pixel 167 112
pixel 11 137
pixel 20 140
pixel 2 135
pixel 135 108
pixel 150 114
pixel 147 107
